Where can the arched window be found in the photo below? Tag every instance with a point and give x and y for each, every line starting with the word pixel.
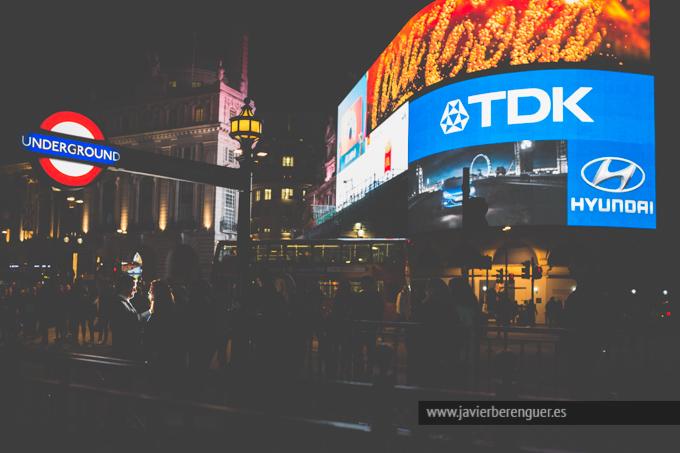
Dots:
pixel 145 203
pixel 108 203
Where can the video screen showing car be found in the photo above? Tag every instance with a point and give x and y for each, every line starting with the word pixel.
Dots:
pixel 523 183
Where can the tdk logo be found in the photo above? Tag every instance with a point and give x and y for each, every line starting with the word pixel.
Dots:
pixel 604 174
pixel 455 116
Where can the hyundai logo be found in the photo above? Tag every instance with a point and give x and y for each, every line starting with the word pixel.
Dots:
pixel 604 174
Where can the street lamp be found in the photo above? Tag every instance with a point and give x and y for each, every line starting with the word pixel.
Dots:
pixel 247 129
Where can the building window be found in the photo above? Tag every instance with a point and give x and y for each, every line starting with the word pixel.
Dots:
pixel 287 161
pixel 185 203
pixel 198 115
pixel 126 125
pixel 266 230
pixel 230 156
pixel 267 194
pixel 229 220
pixel 257 195
pixel 173 84
pixel 173 118
pixel 108 203
pixel 187 153
pixel 286 194
pixel 196 84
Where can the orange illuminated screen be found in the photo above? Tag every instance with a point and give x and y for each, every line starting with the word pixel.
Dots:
pixel 450 37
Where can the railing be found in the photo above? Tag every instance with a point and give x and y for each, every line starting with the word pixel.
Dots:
pixel 629 364
pixel 227 225
pixel 52 393
pixel 90 395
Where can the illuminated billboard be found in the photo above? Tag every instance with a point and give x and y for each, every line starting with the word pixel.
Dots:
pixel 549 102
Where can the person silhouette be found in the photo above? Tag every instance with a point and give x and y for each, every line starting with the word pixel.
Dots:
pixel 126 323
pixel 585 314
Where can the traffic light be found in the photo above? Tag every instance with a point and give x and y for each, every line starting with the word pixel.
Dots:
pixel 511 278
pixel 499 276
pixel 475 213
pixel 537 272
pixel 526 269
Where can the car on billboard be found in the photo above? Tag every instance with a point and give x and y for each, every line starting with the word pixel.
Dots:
pixel 452 193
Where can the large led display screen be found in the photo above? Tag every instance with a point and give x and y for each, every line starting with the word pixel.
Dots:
pixel 548 102
pixel 556 147
pixel 366 161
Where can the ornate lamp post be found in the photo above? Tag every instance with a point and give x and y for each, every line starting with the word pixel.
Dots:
pixel 247 129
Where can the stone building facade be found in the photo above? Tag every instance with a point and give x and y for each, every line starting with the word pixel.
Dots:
pixel 169 227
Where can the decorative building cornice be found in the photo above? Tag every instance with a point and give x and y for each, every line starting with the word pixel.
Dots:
pixel 169 134
pixel 21 168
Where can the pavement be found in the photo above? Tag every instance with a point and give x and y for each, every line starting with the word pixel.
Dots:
pixel 209 432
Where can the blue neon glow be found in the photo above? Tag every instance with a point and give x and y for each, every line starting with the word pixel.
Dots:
pixel 620 105
pixel 606 119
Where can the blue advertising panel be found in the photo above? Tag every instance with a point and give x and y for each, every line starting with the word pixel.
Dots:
pixel 553 147
pixel 611 184
pixel 535 105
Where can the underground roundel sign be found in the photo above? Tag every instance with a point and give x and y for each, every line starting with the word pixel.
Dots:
pixel 66 173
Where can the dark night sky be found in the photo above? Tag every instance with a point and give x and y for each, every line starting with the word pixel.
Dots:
pixel 302 54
